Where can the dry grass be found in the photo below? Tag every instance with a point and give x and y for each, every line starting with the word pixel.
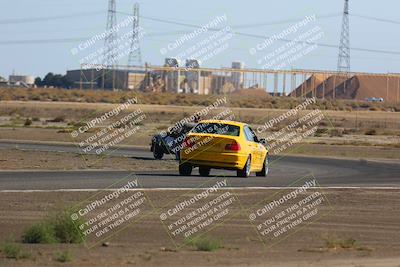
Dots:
pixel 73 113
pixel 236 100
pixel 366 215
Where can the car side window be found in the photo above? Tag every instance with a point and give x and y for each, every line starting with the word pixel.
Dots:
pixel 247 133
pixel 254 135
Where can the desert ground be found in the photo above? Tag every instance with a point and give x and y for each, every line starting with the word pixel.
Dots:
pixel 358 225
pixel 369 217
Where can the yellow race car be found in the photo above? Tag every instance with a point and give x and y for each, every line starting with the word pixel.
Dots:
pixel 223 145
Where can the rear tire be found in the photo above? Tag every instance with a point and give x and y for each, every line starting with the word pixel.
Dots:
pixel 185 169
pixel 204 171
pixel 265 169
pixel 245 172
pixel 158 153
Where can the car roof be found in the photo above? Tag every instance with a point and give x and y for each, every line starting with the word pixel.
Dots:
pixel 235 123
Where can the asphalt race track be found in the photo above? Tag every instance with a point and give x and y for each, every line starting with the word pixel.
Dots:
pixel 283 171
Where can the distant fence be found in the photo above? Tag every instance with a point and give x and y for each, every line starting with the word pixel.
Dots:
pixel 292 83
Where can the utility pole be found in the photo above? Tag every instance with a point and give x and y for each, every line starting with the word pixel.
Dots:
pixel 344 47
pixel 109 59
pixel 135 57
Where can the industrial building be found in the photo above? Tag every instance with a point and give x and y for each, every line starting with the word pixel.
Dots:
pixel 21 80
pixel 172 77
pixel 3 81
pixel 192 78
pixel 107 79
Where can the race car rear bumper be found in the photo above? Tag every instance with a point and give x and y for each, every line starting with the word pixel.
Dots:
pixel 231 160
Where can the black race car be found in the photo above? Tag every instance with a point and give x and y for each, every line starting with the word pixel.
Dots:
pixel 170 142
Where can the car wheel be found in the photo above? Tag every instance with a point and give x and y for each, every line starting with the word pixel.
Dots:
pixel 157 152
pixel 185 169
pixel 265 169
pixel 204 171
pixel 245 172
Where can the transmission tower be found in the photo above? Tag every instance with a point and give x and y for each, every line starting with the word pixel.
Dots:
pixel 344 47
pixel 111 37
pixel 135 57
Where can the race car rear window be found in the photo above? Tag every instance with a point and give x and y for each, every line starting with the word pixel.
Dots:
pixel 217 128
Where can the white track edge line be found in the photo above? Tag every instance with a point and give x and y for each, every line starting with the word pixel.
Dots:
pixel 186 189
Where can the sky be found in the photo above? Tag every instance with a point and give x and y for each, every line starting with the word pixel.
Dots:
pixel 38 37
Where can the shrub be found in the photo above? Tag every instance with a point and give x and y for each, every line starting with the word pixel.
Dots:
pixel 65 229
pixel 14 251
pixel 76 124
pixel 350 131
pixel 334 242
pixel 204 243
pixel 336 132
pixel 27 122
pixel 40 233
pixel 322 123
pixel 56 228
pixel 63 256
pixel 370 132
pixel 58 119
pixel 321 131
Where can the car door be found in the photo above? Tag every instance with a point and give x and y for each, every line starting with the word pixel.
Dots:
pixel 260 148
pixel 253 147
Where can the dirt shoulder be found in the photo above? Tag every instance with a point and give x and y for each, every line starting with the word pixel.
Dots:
pixel 15 159
pixel 19 159
pixel 343 134
pixel 366 216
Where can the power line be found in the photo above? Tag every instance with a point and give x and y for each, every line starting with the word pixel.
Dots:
pixel 280 39
pixel 70 40
pixel 75 15
pixel 38 19
pixel 77 39
pixel 375 19
pixel 278 22
pixel 162 20
pixel 45 41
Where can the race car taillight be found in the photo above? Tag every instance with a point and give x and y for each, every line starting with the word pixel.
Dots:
pixel 232 147
pixel 187 142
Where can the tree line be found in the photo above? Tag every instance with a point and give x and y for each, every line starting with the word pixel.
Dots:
pixel 55 80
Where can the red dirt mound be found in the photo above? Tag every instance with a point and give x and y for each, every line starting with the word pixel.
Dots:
pixel 358 87
pixel 251 92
